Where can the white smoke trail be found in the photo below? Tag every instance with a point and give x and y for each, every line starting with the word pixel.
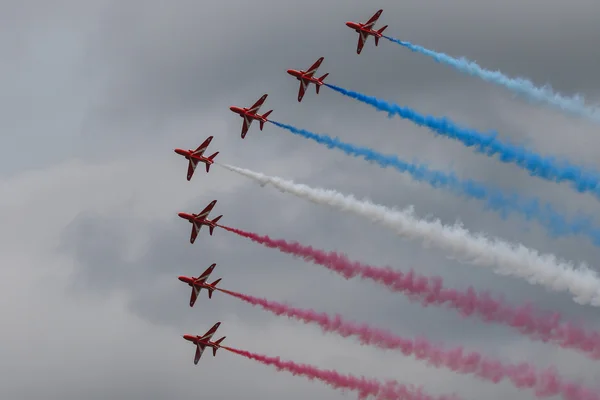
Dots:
pixel 505 258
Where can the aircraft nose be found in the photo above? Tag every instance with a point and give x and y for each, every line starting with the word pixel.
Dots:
pixel 232 108
pixel 181 214
pixel 349 24
pixel 290 71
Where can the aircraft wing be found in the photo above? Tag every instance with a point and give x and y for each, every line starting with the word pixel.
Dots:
pixel 202 278
pixel 209 334
pixel 369 24
pixel 195 230
pixel 191 168
pixel 311 71
pixel 256 106
pixel 199 350
pixel 362 38
pixel 204 213
pixel 302 90
pixel 194 295
pixel 200 150
pixel 246 125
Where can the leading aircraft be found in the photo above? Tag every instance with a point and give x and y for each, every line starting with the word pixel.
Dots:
pixel 196 156
pixel 197 220
pixel 197 284
pixel 251 113
pixel 202 341
pixel 306 77
pixel 365 30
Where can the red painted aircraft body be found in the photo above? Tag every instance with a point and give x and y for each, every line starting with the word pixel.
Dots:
pixel 306 78
pixel 199 283
pixel 197 220
pixel 251 113
pixel 196 156
pixel 365 30
pixel 202 341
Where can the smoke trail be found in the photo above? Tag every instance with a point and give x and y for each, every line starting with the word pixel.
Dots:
pixel 523 376
pixel 545 214
pixel 390 390
pixel 574 105
pixel 430 291
pixel 543 167
pixel 504 257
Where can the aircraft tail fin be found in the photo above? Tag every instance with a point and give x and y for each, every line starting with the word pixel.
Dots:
pixel 212 225
pixel 217 343
pixel 265 115
pixel 211 158
pixel 211 289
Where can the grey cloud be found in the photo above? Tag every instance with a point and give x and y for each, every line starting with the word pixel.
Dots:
pixel 154 77
pixel 205 54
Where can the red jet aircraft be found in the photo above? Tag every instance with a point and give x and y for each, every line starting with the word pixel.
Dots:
pixel 364 30
pixel 306 77
pixel 196 156
pixel 197 220
pixel 250 114
pixel 200 282
pixel 202 341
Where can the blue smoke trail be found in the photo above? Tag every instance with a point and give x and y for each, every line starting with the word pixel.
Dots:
pixel 552 220
pixel 574 105
pixel 542 167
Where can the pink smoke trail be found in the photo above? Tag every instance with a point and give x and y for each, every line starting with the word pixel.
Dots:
pixel 523 376
pixel 544 326
pixel 390 390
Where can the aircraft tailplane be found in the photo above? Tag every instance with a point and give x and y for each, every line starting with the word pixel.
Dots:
pixel 321 82
pixel 211 158
pixel 211 227
pixel 380 31
pixel 215 348
pixel 265 115
pixel 211 289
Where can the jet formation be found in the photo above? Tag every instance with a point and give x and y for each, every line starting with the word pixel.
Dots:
pixel 248 115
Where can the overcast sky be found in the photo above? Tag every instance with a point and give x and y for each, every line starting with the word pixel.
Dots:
pixel 97 94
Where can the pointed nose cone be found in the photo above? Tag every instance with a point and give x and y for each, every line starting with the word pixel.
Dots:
pixel 290 71
pixel 232 108
pixel 182 278
pixel 349 24
pixel 182 215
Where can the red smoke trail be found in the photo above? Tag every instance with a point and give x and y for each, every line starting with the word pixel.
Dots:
pixel 390 390
pixel 546 383
pixel 430 291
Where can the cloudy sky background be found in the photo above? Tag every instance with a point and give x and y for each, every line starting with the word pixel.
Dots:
pixel 96 96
